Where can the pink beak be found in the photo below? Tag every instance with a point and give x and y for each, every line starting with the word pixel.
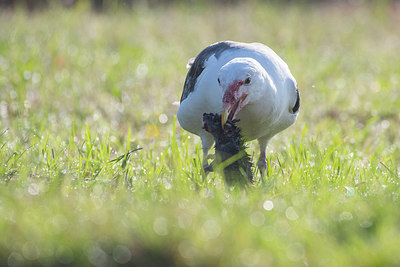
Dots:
pixel 231 110
pixel 231 101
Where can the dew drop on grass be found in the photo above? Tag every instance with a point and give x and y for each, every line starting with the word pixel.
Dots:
pixel 167 185
pixel 186 249
pixel 30 251
pixel 345 216
pixel 59 222
pixel 257 219
pixel 268 205
pixel 163 118
pixel 251 257
pixel 27 104
pixel 291 214
pixel 160 226
pixel 349 190
pixel 97 256
pixel 27 74
pixel 295 252
pixel 121 254
pixel 15 259
pixel 385 124
pixel 64 255
pixel 36 78
pixel 129 82
pixel 211 229
pixel 184 220
pixel 366 223
pixel 141 70
pixel 315 225
pixel 33 189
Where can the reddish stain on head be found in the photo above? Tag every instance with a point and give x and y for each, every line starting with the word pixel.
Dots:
pixel 230 94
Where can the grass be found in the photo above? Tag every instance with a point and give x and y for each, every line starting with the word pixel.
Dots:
pixel 95 169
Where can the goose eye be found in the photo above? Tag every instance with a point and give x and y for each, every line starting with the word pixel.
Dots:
pixel 219 81
pixel 247 81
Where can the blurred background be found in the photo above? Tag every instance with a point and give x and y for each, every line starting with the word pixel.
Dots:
pixel 104 5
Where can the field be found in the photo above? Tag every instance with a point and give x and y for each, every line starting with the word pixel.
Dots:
pixel 95 169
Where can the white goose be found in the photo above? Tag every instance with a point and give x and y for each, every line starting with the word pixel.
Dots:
pixel 241 81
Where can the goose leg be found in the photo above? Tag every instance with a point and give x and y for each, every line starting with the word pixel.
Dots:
pixel 206 143
pixel 262 161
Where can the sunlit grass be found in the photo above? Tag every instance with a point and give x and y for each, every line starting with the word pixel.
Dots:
pixel 96 170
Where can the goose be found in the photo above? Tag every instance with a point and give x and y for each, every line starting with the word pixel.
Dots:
pixel 240 81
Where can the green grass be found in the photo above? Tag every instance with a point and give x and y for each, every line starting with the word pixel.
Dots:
pixel 91 174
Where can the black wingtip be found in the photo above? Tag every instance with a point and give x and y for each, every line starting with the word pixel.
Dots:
pixel 297 105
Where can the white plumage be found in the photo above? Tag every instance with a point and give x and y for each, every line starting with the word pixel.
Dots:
pixel 244 81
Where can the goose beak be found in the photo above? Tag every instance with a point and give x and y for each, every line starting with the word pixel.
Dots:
pixel 224 116
pixel 230 111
